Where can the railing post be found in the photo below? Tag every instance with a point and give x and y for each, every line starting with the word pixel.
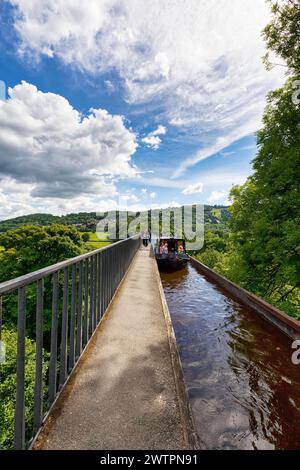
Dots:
pixel 38 390
pixel 79 312
pixel 95 292
pixel 110 274
pixel 102 283
pixel 64 330
pixel 99 288
pixel 86 302
pixel 73 319
pixel 20 392
pixel 53 347
pixel 91 316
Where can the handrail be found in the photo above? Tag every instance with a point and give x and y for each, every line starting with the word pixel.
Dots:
pixel 8 286
pixel 77 296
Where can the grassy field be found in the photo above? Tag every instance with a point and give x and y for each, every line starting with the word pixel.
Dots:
pixel 96 240
pixel 216 212
pixel 96 237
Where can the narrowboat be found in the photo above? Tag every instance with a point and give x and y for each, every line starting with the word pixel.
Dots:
pixel 170 253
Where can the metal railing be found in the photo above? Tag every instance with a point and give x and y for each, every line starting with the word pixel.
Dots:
pixel 81 290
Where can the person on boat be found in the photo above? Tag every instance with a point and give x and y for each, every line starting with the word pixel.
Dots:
pixel 163 248
pixel 180 249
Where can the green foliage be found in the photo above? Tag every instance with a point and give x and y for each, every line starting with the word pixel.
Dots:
pixel 30 247
pixel 210 257
pixel 31 219
pixel 93 241
pixel 91 246
pixel 212 214
pixel 8 387
pixel 262 252
pixel 282 34
pixel 96 237
pixel 47 219
pixel 265 212
pixel 217 240
pixel 85 237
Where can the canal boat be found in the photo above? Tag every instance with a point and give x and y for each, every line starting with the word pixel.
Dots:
pixel 170 253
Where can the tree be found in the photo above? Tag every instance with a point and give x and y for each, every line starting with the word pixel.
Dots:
pixel 264 251
pixel 31 247
pixel 8 387
pixel 282 34
pixel 28 249
pixel 265 211
pixel 85 237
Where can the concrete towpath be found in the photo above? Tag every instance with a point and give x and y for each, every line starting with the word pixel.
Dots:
pixel 122 394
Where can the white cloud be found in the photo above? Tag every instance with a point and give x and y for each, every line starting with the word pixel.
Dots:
pixel 16 200
pixel 128 197
pixel 218 196
pixel 223 141
pixel 218 178
pixel 138 207
pixel 146 193
pixel 193 189
pixel 161 130
pixel 157 205
pixel 45 142
pixel 204 73
pixel 152 139
pixel 224 178
pixel 110 86
pixel 160 182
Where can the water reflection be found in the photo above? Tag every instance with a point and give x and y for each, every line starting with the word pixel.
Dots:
pixel 244 390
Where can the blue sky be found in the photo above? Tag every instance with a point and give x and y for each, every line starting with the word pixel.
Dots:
pixel 143 105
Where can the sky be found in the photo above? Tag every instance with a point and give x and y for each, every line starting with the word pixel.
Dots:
pixel 108 104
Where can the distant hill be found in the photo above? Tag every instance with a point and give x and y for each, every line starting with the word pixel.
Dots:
pixel 83 218
pixel 213 215
pixel 216 214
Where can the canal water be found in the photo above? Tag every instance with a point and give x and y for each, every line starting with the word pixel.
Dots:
pixel 244 390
